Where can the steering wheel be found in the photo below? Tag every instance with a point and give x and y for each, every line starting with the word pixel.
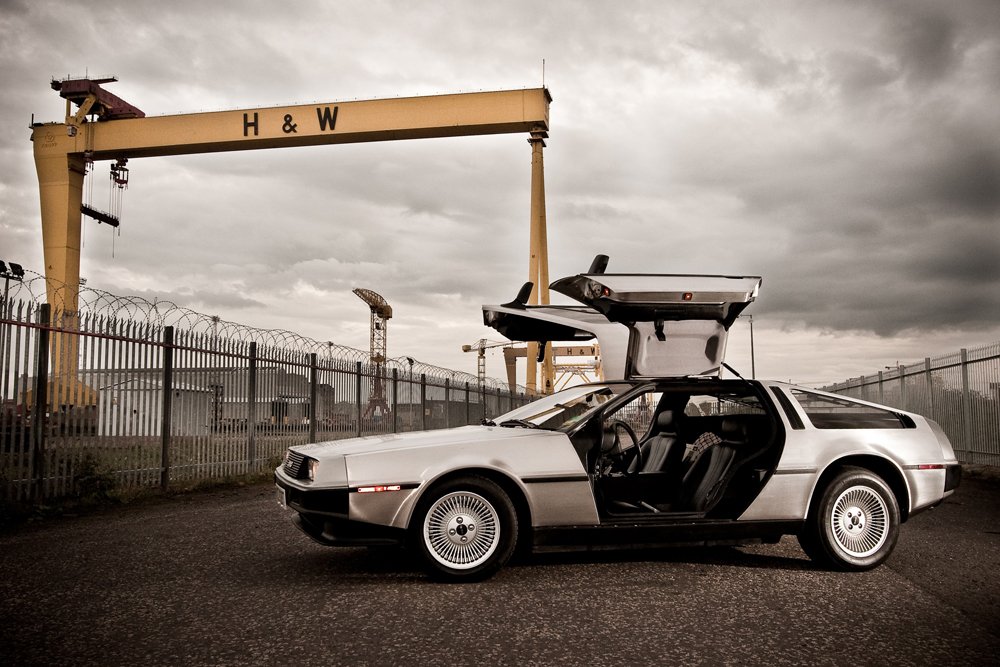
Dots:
pixel 619 424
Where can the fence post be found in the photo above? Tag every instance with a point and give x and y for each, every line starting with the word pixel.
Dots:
pixel 468 407
pixel 966 407
pixel 423 401
pixel 902 387
pixel 357 396
pixel 166 406
pixel 252 406
pixel 313 377
pixel 930 385
pixel 395 399
pixel 39 403
pixel 447 403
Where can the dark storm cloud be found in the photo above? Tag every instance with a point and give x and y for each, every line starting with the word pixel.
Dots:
pixel 859 75
pixel 966 177
pixel 924 40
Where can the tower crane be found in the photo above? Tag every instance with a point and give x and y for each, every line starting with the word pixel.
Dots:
pixel 381 311
pixel 480 348
pixel 586 371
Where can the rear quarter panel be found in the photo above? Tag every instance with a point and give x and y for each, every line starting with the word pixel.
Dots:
pixel 810 451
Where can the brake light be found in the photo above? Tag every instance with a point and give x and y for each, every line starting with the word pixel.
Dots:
pixel 687 296
pixel 379 489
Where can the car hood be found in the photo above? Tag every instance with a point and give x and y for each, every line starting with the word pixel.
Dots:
pixel 399 441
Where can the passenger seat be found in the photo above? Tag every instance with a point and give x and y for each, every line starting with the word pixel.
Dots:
pixel 706 480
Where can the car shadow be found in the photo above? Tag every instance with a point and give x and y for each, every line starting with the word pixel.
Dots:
pixel 723 556
pixel 361 564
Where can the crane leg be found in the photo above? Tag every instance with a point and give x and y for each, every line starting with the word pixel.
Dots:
pixel 60 179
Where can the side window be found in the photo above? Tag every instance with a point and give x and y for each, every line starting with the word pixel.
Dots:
pixel 828 412
pixel 723 404
pixel 786 405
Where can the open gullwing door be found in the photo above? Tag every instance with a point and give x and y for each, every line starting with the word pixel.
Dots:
pixel 648 326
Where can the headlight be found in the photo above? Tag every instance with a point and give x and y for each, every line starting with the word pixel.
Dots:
pixel 313 467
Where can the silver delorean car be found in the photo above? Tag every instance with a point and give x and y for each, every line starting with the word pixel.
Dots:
pixel 663 452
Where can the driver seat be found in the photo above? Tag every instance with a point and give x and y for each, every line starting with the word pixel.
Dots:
pixel 664 450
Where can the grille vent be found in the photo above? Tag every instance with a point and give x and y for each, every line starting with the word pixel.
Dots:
pixel 295 466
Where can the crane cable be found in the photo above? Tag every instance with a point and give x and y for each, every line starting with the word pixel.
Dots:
pixel 118 184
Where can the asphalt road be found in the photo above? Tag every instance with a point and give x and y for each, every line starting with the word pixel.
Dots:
pixel 223 578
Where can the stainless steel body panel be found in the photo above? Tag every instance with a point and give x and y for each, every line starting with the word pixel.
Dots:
pixel 543 464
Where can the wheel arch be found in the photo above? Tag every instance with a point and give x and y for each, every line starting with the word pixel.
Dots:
pixel 881 466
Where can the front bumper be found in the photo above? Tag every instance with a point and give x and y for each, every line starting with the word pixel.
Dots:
pixel 323 515
pixel 336 532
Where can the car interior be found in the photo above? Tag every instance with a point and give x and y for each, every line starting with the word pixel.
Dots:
pixel 692 451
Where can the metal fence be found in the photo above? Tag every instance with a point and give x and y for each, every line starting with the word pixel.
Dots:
pixel 114 396
pixel 960 391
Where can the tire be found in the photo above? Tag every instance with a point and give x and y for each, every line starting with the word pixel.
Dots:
pixel 855 523
pixel 465 529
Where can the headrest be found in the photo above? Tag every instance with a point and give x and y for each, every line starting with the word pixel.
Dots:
pixel 665 420
pixel 732 429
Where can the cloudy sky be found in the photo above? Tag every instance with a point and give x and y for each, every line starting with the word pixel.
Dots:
pixel 847 152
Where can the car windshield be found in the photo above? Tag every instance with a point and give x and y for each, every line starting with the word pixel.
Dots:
pixel 564 409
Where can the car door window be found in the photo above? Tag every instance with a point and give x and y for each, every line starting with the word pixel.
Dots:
pixel 828 412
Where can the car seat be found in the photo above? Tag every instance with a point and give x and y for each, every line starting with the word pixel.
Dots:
pixel 664 449
pixel 706 480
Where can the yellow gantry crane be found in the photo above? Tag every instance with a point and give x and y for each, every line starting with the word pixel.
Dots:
pixel 106 128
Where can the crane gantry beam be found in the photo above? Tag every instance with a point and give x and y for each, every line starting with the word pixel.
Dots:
pixel 61 150
pixel 121 131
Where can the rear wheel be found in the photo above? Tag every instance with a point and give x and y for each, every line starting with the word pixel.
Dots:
pixel 855 523
pixel 465 529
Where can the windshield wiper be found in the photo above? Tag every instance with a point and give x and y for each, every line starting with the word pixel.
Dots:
pixel 488 422
pixel 519 422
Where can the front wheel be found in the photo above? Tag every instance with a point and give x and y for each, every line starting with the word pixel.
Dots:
pixel 465 529
pixel 855 523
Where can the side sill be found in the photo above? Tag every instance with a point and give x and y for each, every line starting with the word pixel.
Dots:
pixel 626 536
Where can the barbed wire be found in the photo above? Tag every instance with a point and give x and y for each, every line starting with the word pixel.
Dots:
pixel 96 306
